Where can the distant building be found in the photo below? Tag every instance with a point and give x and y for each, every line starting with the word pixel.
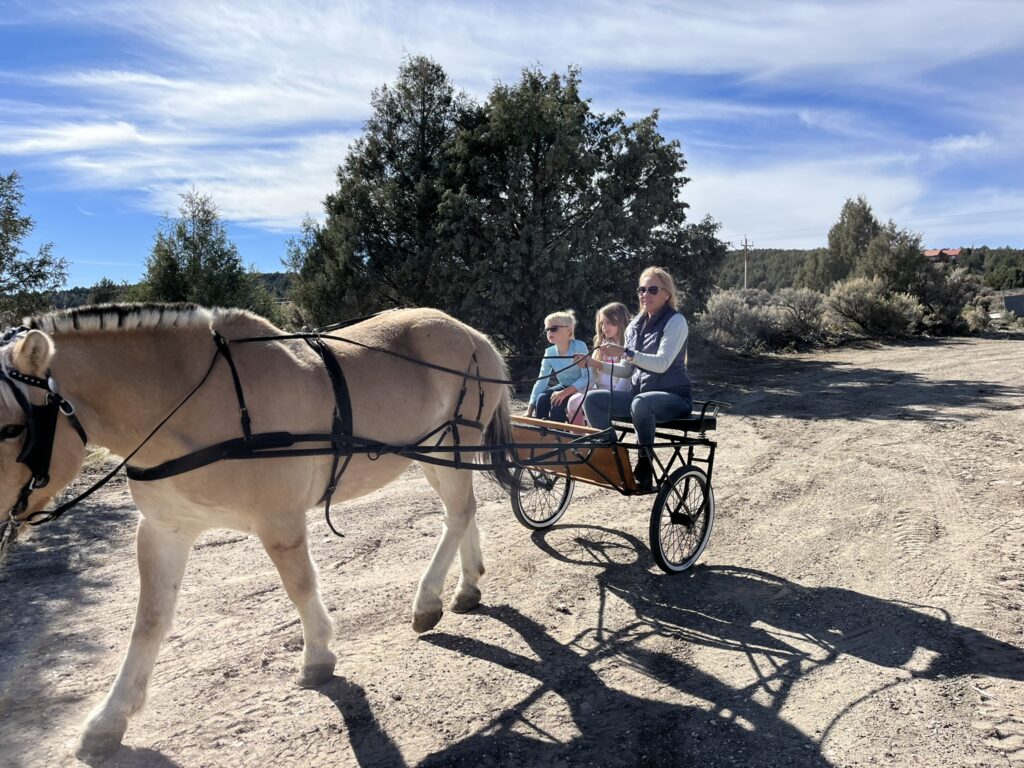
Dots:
pixel 942 254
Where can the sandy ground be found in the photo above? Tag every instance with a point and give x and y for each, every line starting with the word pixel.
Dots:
pixel 860 604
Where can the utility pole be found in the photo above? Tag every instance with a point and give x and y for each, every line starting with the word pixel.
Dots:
pixel 745 246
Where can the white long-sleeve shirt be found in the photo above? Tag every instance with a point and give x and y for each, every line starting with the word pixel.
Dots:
pixel 672 340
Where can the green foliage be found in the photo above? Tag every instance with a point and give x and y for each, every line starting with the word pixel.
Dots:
pixel 106 291
pixel 768 268
pixel 26 282
pixel 731 321
pixel 557 205
pixel 799 313
pixel 499 213
pixel 379 247
pixel 1001 268
pixel 975 318
pixel 193 260
pixel 848 241
pixel 944 292
pixel 894 256
pixel 865 304
pixel 755 320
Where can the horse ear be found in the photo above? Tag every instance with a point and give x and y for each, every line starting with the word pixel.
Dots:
pixel 33 353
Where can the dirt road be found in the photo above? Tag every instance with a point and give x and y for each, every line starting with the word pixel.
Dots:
pixel 860 604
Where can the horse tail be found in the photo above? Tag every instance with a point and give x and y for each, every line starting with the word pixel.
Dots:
pixel 499 435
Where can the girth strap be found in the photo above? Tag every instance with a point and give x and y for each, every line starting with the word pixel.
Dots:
pixel 341 426
pixel 225 349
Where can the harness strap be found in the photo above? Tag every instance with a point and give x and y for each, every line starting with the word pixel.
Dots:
pixel 341 427
pixel 225 349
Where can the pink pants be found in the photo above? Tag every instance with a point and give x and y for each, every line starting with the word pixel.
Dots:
pixel 574 409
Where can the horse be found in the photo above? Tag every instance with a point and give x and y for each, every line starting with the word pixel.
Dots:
pixel 121 369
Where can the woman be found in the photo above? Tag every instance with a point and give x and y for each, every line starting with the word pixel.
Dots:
pixel 655 361
pixel 549 402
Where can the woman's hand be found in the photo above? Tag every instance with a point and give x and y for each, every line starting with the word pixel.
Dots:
pixel 560 397
pixel 529 412
pixel 613 349
pixel 581 360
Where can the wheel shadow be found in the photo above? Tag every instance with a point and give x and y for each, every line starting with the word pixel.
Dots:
pixel 782 629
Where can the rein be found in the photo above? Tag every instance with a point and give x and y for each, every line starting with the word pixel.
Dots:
pixel 340 442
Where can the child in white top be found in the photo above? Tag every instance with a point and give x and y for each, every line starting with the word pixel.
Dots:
pixel 610 326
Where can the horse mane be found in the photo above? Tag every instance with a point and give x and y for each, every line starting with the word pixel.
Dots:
pixel 130 317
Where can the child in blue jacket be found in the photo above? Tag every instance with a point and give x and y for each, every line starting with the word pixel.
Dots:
pixel 549 401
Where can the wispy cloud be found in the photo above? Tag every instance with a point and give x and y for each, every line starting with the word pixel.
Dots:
pixel 790 108
pixel 955 145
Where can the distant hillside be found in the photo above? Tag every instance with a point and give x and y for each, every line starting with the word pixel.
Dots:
pixel 767 268
pixel 277 283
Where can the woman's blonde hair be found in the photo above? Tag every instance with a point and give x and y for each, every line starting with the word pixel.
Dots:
pixel 618 315
pixel 564 317
pixel 666 282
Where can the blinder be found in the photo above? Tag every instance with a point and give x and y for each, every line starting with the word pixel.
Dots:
pixel 40 431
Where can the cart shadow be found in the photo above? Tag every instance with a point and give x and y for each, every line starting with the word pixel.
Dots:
pixel 782 629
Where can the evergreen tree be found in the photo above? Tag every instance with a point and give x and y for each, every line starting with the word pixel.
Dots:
pixel 895 256
pixel 557 206
pixel 194 260
pixel 26 281
pixel 847 243
pixel 378 246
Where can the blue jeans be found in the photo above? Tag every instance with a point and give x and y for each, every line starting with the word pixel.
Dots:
pixel 646 410
pixel 545 410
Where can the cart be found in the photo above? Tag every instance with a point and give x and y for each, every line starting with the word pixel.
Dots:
pixel 555 456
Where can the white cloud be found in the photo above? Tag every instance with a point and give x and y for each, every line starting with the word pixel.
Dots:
pixel 955 145
pixel 256 103
pixel 268 188
pixel 793 204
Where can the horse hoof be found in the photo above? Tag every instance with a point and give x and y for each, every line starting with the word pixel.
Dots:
pixel 421 622
pixel 465 602
pixel 93 746
pixel 314 676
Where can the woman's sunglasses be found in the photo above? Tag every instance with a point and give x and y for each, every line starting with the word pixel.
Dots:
pixel 651 289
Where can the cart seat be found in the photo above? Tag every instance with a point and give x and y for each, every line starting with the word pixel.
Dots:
pixel 689 424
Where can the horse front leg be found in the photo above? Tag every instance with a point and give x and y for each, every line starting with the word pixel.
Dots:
pixel 455 487
pixel 162 554
pixel 288 548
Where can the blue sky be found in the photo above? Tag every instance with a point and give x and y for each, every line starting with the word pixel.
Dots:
pixel 110 110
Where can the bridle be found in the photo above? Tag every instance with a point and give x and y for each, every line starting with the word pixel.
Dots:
pixel 40 430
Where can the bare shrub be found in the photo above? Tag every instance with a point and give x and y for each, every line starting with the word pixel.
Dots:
pixel 798 314
pixel 864 304
pixel 731 321
pixel 975 318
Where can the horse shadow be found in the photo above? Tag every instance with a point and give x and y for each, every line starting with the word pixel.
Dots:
pixel 781 628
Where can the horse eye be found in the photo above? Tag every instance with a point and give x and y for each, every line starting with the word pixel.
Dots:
pixel 11 430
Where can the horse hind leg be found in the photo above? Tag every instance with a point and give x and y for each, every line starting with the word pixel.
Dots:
pixel 455 487
pixel 288 548
pixel 162 555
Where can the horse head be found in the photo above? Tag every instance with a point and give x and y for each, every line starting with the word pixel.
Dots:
pixel 40 454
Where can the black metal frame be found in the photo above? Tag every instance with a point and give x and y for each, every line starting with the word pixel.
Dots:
pixel 678 439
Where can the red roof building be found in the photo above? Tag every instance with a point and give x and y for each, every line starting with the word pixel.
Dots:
pixel 943 254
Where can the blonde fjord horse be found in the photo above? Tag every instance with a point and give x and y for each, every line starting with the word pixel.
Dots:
pixel 124 368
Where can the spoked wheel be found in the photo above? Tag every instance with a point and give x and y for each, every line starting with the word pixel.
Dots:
pixel 539 499
pixel 682 519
